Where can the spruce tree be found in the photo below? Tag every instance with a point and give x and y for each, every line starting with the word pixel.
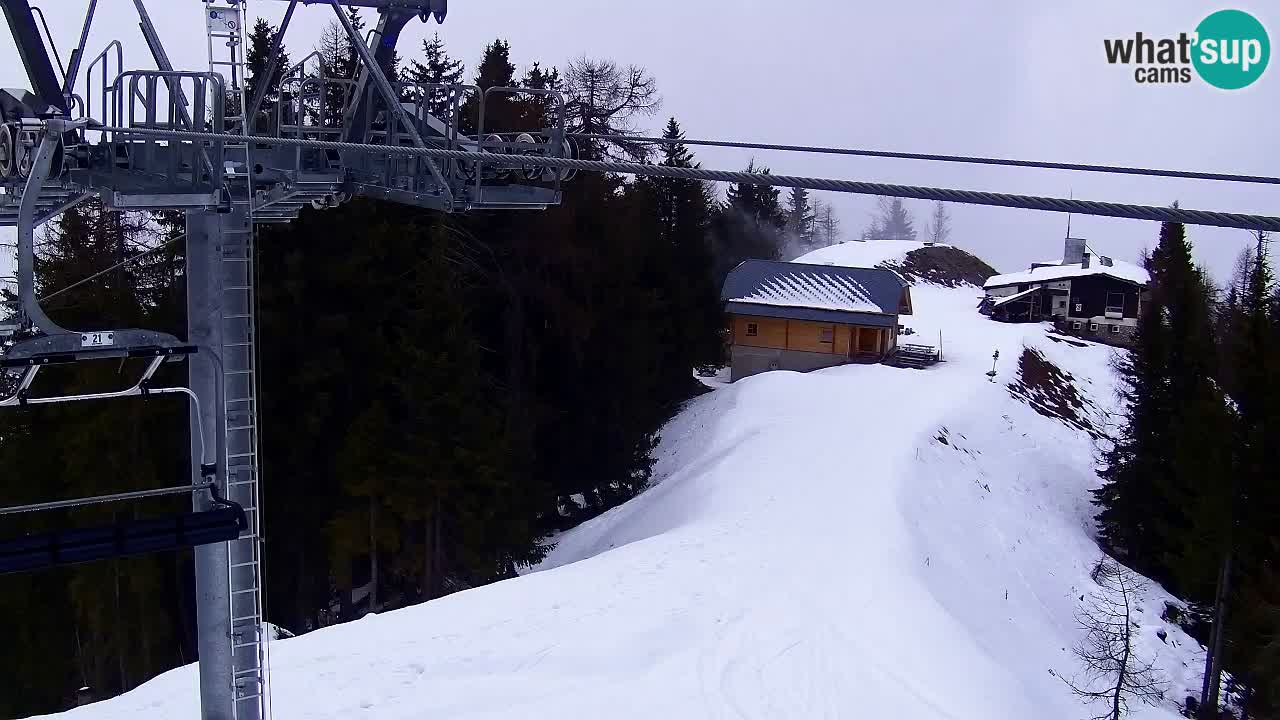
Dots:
pixel 538 111
pixel 501 110
pixel 1249 568
pixel 893 221
pixel 437 68
pixel 1163 503
pixel 684 210
pixel 750 224
pixel 800 221
pixel 257 59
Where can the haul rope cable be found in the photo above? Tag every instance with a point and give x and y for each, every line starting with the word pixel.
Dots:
pixel 1028 202
pixel 969 159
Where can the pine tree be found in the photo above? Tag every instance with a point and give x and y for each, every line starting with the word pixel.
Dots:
pixel 437 68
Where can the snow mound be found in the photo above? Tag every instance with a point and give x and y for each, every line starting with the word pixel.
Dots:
pixel 917 262
pixel 862 254
pixel 860 541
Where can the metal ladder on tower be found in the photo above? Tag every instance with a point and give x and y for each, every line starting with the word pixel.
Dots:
pixel 225 25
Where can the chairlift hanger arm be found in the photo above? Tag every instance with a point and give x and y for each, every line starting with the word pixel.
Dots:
pixel 113 497
pixel 34 54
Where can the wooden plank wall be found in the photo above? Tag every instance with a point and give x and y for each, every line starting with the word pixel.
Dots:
pixel 843 337
pixel 770 332
pixel 807 336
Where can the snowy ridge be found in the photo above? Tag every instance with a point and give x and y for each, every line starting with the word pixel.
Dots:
pixel 862 254
pixel 813 290
pixel 857 542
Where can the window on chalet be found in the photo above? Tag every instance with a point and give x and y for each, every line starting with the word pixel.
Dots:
pixel 1115 302
pixel 1075 326
pixel 1093 327
pixel 826 335
pixel 753 330
pixel 1115 328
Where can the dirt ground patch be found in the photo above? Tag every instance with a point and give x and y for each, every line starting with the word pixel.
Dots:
pixel 1052 392
pixel 943 265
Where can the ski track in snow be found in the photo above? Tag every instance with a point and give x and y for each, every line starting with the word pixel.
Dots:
pixel 808 550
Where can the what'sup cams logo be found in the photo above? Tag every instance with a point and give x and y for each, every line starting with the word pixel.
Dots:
pixel 1229 50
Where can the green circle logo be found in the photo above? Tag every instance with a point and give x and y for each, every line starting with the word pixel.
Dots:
pixel 1232 49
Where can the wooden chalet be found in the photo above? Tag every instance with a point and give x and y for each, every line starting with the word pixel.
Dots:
pixel 795 316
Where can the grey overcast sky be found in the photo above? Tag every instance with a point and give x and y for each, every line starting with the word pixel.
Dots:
pixel 984 77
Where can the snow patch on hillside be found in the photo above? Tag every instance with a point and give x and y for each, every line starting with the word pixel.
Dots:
pixel 860 541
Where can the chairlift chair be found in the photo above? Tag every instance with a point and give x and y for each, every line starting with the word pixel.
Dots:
pixel 39 551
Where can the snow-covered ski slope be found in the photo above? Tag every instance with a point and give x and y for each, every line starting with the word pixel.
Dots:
pixel 857 542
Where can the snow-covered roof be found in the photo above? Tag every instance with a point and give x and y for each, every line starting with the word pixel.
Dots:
pixel 1015 296
pixel 815 287
pixel 1117 269
pixel 810 289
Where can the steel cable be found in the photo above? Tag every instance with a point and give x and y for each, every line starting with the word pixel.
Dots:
pixel 972 197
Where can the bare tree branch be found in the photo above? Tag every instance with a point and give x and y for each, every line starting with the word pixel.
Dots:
pixel 1112 670
pixel 605 99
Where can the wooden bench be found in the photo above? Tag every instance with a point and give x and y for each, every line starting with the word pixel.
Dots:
pixel 914 356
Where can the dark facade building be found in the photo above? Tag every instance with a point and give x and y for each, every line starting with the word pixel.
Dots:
pixel 795 316
pixel 1086 294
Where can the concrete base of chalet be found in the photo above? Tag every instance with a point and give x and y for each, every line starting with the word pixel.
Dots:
pixel 1104 334
pixel 748 360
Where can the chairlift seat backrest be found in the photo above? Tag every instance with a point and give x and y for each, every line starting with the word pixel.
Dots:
pixel 69 547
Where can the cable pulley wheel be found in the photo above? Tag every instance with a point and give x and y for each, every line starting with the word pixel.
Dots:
pixel 8 153
pixel 26 159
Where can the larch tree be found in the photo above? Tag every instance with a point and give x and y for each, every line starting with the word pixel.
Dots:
pixel 605 98
pixel 826 224
pixel 1113 672
pixel 939 228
